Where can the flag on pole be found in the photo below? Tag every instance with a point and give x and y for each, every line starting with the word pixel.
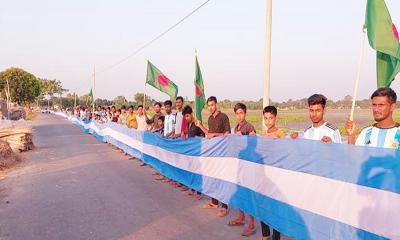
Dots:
pixel 90 98
pixel 384 38
pixel 159 81
pixel 199 89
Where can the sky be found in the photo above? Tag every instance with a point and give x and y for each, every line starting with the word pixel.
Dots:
pixel 315 45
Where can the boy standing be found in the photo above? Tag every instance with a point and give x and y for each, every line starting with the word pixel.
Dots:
pixel 153 122
pixel 319 130
pixel 269 114
pixel 169 122
pixel 243 128
pixel 218 124
pixel 191 131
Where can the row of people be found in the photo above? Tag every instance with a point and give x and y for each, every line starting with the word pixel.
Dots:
pixel 384 133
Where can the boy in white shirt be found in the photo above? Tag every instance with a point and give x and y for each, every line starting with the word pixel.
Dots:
pixel 319 129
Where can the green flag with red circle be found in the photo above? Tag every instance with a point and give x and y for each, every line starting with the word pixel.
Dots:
pixel 159 81
pixel 200 99
pixel 384 38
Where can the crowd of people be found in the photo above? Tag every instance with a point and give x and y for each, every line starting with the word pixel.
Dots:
pixel 183 124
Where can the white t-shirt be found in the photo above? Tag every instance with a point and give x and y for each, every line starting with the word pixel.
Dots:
pixel 326 129
pixel 141 123
pixel 178 124
pixel 379 137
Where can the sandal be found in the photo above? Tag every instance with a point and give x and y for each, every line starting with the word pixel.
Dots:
pixel 160 178
pixel 222 212
pixel 198 197
pixel 190 193
pixel 236 223
pixel 210 205
pixel 248 232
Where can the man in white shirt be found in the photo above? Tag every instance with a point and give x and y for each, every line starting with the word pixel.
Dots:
pixel 385 133
pixel 169 122
pixel 141 119
pixel 319 129
pixel 180 122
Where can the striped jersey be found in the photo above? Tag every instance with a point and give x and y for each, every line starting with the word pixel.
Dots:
pixel 374 136
pixel 326 129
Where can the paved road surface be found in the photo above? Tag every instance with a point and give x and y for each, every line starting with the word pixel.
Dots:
pixel 74 187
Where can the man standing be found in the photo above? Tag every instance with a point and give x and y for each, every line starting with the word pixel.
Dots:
pixel 180 121
pixel 153 122
pixel 190 131
pixel 141 119
pixel 123 116
pixel 385 133
pixel 170 121
pixel 218 124
pixel 131 120
pixel 319 130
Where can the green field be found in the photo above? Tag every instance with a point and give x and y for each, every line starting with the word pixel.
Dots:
pixel 298 120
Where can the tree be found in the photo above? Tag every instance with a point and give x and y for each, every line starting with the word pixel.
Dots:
pixel 119 101
pixel 50 88
pixel 24 86
pixel 139 99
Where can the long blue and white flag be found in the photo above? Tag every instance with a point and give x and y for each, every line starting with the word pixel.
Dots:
pixel 305 189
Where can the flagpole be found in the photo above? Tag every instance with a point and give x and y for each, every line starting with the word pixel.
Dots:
pixel 75 100
pixel 194 100
pixel 359 70
pixel 144 96
pixel 8 100
pixel 94 88
pixel 267 67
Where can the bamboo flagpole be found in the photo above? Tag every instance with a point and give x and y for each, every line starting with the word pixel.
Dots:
pixel 359 70
pixel 144 96
pixel 194 100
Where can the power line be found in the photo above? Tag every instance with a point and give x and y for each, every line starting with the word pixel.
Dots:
pixel 155 38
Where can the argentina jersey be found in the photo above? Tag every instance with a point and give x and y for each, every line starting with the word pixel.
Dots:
pixel 326 129
pixel 380 137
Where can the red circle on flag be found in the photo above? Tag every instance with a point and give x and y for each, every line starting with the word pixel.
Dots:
pixel 199 93
pixel 396 33
pixel 163 80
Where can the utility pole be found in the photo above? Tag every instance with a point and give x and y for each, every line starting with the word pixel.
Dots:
pixel 267 67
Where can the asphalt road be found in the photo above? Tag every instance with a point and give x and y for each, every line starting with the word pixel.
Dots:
pixel 74 187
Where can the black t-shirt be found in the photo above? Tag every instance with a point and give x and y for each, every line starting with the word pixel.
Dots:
pixel 193 131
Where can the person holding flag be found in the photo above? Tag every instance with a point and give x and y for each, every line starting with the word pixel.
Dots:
pixel 385 132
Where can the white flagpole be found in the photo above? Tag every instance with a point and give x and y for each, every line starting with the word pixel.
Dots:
pixel 94 88
pixel 359 70
pixel 267 67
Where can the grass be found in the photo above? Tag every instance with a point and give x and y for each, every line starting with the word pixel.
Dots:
pixel 296 120
pixel 30 116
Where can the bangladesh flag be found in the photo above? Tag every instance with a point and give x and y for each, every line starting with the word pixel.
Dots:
pixel 158 80
pixel 384 38
pixel 199 87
